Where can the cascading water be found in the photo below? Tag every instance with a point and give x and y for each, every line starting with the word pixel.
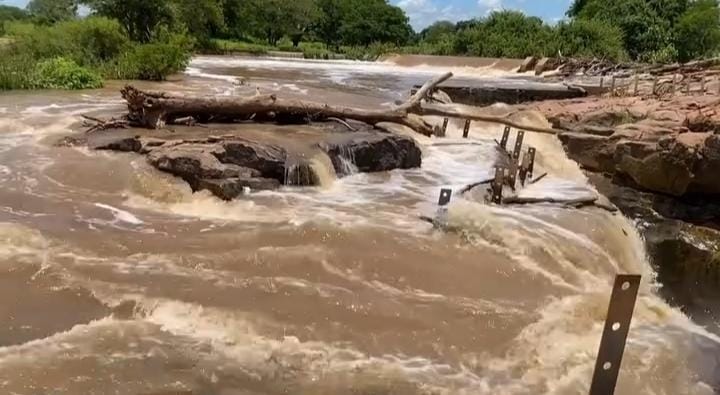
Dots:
pixel 117 279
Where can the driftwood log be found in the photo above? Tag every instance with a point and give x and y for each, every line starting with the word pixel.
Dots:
pixel 156 109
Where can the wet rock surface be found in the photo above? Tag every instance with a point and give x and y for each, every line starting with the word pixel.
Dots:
pixel 682 238
pixel 232 160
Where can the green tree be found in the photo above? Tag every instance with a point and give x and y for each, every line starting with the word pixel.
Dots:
pixel 52 11
pixel 590 38
pixel 698 30
pixel 203 19
pixel 139 17
pixel 647 25
pixel 511 34
pixel 369 21
pixel 327 27
pixel 437 31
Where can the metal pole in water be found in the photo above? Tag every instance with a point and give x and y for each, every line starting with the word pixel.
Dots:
pixel 528 163
pixel 445 196
pixel 505 138
pixel 444 126
pixel 497 185
pixel 617 327
pixel 466 130
pixel 518 145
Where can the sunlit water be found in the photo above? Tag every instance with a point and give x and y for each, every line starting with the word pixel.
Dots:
pixel 116 279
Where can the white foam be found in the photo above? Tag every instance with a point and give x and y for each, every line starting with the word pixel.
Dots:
pixel 121 215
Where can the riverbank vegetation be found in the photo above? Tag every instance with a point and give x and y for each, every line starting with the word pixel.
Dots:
pixel 76 43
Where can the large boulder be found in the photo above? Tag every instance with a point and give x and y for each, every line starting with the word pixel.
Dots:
pixel 196 161
pixel 373 153
pixel 268 159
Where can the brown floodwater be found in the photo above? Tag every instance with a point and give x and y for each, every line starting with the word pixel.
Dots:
pixel 116 279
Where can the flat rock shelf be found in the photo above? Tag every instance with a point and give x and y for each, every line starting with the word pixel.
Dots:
pixel 232 159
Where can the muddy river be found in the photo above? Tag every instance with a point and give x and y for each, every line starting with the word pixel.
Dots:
pixel 116 279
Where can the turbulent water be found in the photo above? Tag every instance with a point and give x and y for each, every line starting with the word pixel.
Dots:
pixel 116 279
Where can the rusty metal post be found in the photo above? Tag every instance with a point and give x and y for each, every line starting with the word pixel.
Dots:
pixel 612 86
pixel 617 327
pixel 466 130
pixel 702 86
pixel 497 185
pixel 518 145
pixel 505 138
pixel 602 80
pixel 635 89
pixel 444 126
pixel 527 167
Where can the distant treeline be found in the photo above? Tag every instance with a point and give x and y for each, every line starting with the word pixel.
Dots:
pixel 151 39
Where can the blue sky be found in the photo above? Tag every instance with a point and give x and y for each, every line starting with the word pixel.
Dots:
pixel 424 12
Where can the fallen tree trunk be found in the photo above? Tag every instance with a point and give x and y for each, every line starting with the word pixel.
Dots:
pixel 156 109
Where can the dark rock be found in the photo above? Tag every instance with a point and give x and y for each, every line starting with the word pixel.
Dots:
pixel 268 159
pixel 687 259
pixel 194 161
pixel 374 153
pixel 231 188
pixel 590 151
pixel 148 144
pixel 681 244
pixel 123 144
pixel 301 174
pixel 72 141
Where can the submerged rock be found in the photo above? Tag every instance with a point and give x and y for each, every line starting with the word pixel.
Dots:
pixel 231 188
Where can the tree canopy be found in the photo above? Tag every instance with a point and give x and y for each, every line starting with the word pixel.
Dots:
pixel 52 11
pixel 645 30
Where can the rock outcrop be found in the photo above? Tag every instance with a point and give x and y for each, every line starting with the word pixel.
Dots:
pixel 669 147
pixel 240 161
pixel 373 153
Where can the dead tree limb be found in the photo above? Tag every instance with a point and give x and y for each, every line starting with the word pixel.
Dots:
pixel 156 109
pixel 445 110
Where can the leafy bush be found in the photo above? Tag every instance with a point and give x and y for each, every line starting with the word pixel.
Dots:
pixel 62 73
pixel 17 72
pixel 88 42
pixel 697 33
pixel 154 61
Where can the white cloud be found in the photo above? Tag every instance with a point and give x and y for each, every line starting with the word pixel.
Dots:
pixel 423 13
pixel 492 4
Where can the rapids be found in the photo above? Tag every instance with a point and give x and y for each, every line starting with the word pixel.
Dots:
pixel 116 279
